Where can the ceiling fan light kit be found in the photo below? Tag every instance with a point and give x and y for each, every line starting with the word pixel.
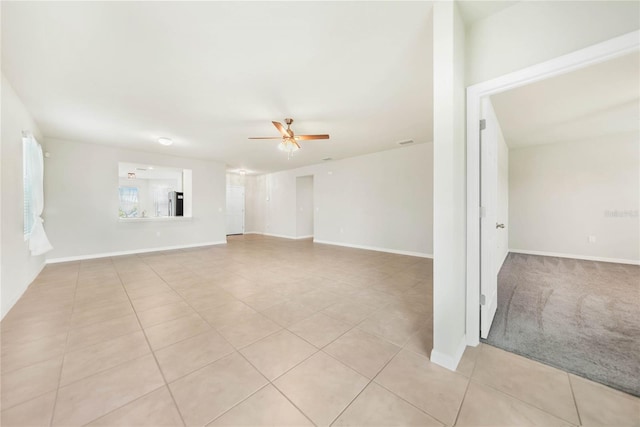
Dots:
pixel 288 146
pixel 289 143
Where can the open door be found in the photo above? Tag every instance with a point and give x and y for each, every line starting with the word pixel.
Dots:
pixel 488 220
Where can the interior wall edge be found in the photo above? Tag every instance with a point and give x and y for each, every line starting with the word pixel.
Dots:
pixel 575 256
pixel 132 252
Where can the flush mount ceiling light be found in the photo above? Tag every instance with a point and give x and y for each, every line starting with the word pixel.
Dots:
pixel 242 172
pixel 165 141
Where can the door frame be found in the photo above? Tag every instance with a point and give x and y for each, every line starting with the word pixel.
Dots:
pixel 597 53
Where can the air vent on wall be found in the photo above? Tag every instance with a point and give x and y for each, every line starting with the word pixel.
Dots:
pixel 405 142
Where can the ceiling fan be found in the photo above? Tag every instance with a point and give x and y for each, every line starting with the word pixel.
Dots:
pixel 290 140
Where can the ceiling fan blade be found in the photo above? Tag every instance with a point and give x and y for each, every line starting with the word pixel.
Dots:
pixel 282 130
pixel 296 142
pixel 265 137
pixel 306 137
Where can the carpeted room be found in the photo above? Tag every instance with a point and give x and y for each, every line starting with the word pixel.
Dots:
pixel 569 283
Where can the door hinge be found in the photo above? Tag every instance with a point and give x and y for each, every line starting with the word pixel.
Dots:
pixel 483 212
pixel 483 124
pixel 483 299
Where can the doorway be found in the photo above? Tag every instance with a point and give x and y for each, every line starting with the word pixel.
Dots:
pixel 563 293
pixel 235 209
pixel 601 52
pixel 304 207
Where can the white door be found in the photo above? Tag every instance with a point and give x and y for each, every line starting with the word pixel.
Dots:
pixel 235 209
pixel 488 220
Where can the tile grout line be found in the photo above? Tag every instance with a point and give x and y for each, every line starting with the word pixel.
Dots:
pixel 238 350
pixel 522 401
pixel 120 407
pixel 409 403
pixel 351 327
pixel 363 388
pixel 66 343
pixel 466 390
pixel 575 401
pixel 495 388
pixel 269 382
pixel 166 384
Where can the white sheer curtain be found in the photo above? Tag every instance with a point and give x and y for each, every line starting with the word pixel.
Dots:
pixel 38 241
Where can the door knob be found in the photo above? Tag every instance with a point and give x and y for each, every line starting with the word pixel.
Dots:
pixel 499 225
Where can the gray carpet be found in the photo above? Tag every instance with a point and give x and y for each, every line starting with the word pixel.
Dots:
pixel 579 316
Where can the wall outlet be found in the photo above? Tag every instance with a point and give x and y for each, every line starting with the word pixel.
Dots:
pixel 592 239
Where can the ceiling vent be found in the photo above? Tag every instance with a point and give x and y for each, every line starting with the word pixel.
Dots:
pixel 405 142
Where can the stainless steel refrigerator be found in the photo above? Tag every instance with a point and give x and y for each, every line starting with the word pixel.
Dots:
pixel 176 203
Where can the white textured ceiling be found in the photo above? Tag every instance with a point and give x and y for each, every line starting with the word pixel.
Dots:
pixel 602 99
pixel 210 74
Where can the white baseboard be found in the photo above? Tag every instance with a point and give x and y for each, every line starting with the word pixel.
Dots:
pixel 375 248
pixel 281 236
pixel 132 252
pixel 14 299
pixel 584 257
pixel 449 361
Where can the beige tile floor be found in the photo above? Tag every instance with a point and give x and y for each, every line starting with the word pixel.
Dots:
pixel 264 331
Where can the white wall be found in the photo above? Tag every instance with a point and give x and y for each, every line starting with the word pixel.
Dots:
pixel 81 199
pixel 304 206
pixel 559 194
pixel 380 201
pixel 531 32
pixel 449 201
pixel 17 267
